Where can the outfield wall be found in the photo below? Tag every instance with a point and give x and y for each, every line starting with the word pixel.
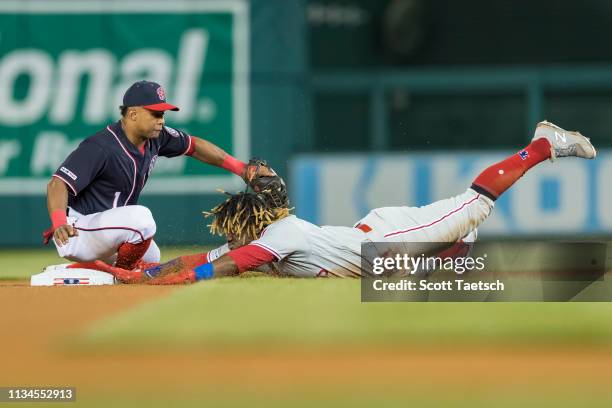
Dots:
pixel 221 61
pixel 563 198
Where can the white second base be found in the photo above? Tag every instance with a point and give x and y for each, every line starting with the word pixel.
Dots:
pixel 58 275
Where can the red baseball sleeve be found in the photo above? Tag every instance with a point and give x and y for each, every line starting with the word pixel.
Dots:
pixel 251 256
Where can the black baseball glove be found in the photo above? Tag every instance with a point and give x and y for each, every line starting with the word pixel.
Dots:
pixel 262 179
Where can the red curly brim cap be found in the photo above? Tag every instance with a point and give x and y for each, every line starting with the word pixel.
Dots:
pixel 161 107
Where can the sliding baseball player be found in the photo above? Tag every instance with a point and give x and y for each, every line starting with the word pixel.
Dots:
pixel 265 236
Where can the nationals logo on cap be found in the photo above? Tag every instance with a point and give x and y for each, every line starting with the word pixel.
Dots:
pixel 149 95
pixel 161 93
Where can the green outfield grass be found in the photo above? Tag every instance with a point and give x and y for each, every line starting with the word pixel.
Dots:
pixel 275 312
pixel 23 263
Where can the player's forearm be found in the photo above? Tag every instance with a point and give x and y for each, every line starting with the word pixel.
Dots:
pixel 210 153
pixel 189 269
pixel 57 195
pixel 57 201
pixel 225 266
pixel 192 268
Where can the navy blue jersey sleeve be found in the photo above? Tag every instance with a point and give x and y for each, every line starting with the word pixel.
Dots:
pixel 82 166
pixel 173 142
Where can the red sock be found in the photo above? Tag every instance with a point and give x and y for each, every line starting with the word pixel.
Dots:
pixel 499 177
pixel 129 254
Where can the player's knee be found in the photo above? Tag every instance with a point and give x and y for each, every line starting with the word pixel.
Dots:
pixel 485 205
pixel 481 209
pixel 69 252
pixel 142 220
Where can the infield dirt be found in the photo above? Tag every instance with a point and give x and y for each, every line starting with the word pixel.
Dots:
pixel 36 322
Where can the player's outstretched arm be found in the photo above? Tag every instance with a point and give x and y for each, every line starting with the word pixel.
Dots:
pixel 192 268
pixel 178 271
pixel 236 261
pixel 209 153
pixel 224 266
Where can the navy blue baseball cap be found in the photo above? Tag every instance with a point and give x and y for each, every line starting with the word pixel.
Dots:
pixel 149 95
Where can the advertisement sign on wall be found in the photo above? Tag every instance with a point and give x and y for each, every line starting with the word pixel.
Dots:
pixel 64 66
pixel 569 196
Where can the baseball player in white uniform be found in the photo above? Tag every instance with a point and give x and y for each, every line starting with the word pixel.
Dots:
pixel 264 237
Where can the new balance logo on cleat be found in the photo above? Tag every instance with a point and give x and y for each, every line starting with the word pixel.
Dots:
pixel 561 136
pixel 564 143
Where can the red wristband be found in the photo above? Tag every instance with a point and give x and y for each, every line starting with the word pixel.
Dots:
pixel 192 145
pixel 234 165
pixel 58 218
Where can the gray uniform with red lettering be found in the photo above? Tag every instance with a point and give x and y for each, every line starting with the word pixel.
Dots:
pixel 306 250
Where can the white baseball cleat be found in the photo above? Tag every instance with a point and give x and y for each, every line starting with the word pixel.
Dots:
pixel 564 143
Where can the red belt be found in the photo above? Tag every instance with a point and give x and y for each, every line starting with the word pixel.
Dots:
pixel 364 227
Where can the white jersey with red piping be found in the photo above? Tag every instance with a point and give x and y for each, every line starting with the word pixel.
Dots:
pixel 306 250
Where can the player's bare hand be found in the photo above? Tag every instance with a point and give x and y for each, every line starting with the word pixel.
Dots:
pixel 63 233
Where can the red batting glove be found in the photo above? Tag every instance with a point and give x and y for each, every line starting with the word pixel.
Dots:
pixel 122 275
pixel 142 265
pixel 179 278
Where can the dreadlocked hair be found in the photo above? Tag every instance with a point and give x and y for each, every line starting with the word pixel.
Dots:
pixel 245 214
